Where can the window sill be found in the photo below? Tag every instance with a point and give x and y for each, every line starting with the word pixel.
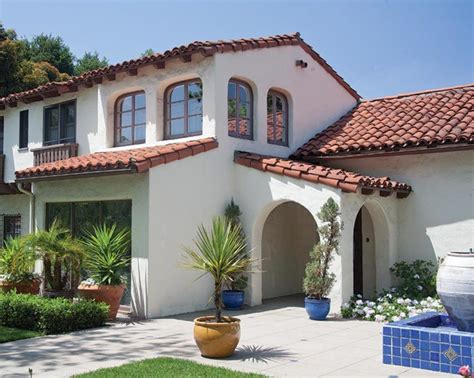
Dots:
pixel 23 149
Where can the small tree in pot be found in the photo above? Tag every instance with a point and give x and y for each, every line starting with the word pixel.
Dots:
pixel 106 260
pixel 318 280
pixel 219 253
pixel 62 258
pixel 17 263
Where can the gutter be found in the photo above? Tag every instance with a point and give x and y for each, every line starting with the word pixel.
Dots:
pixel 30 194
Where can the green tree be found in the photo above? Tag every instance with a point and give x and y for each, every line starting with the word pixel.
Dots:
pixel 46 48
pixel 11 57
pixel 148 52
pixel 88 62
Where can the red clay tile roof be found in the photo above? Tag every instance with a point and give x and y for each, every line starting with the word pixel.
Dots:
pixel 417 120
pixel 207 48
pixel 337 178
pixel 134 160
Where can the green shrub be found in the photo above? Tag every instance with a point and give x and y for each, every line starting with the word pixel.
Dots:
pixel 416 279
pixel 49 315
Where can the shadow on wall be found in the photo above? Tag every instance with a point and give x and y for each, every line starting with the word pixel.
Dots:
pixel 139 289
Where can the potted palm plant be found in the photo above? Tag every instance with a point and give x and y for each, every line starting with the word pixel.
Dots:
pixel 318 279
pixel 17 263
pixel 217 252
pixel 62 258
pixel 233 298
pixel 105 262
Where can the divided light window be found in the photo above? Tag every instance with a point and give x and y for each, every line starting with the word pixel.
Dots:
pixel 130 119
pixel 239 109
pixel 23 142
pixel 1 135
pixel 183 109
pixel 11 226
pixel 60 123
pixel 277 118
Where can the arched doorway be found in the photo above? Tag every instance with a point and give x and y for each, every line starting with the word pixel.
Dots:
pixel 371 253
pixel 289 234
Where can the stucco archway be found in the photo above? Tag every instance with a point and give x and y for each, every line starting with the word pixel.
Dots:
pixel 289 233
pixel 371 258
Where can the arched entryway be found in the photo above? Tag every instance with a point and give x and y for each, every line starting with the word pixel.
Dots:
pixel 371 251
pixel 289 233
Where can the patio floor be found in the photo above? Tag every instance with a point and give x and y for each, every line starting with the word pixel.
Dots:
pixel 277 340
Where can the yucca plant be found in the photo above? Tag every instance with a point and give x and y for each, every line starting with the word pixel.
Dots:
pixel 61 254
pixel 218 252
pixel 17 261
pixel 106 254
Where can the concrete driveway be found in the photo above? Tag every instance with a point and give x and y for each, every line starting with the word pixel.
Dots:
pixel 277 340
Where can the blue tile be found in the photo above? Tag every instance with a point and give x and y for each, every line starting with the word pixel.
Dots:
pixel 417 354
pixel 445 368
pixel 387 340
pixel 387 331
pixel 445 338
pixel 425 355
pixel 387 349
pixel 405 332
pixel 405 341
pixel 444 359
pixel 444 347
pixel 414 334
pixel 424 345
pixel 434 366
pixel 434 356
pixel 434 347
pixel 455 339
pixel 416 343
pixel 466 361
pixel 415 363
pixel 424 336
pixel 396 351
pixel 405 353
pixel 466 340
pixel 434 336
pixel 406 362
pixel 466 351
pixel 396 332
pixel 425 365
pixel 396 341
pixel 396 360
pixel 454 369
pixel 456 361
pixel 387 359
pixel 456 348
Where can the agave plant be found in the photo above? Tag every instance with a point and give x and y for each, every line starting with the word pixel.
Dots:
pixel 17 261
pixel 107 254
pixel 220 253
pixel 61 254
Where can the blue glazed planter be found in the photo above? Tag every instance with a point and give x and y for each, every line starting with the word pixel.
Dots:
pixel 317 309
pixel 233 299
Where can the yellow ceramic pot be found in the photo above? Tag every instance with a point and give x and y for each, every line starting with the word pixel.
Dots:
pixel 216 340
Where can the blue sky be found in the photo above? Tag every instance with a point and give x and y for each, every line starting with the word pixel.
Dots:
pixel 381 47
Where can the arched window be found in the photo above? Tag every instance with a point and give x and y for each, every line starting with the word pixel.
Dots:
pixel 277 118
pixel 183 109
pixel 239 109
pixel 130 119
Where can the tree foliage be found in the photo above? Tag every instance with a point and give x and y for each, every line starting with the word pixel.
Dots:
pixel 88 62
pixel 46 48
pixel 148 52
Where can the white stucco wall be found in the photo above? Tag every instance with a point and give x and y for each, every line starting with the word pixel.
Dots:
pixel 438 216
pixel 14 204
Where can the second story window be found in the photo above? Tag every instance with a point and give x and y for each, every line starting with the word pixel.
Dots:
pixel 60 123
pixel 239 109
pixel 277 118
pixel 183 109
pixel 23 142
pixel 1 135
pixel 130 119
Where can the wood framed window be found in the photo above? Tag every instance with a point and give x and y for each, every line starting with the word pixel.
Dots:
pixel 130 119
pixel 23 142
pixel 183 109
pixel 1 134
pixel 239 109
pixel 60 123
pixel 11 226
pixel 277 118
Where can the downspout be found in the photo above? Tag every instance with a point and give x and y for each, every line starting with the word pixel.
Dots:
pixel 30 194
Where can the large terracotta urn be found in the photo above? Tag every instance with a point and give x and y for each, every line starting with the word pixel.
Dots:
pixel 108 294
pixel 216 340
pixel 455 286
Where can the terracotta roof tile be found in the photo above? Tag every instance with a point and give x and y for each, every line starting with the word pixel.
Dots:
pixel 431 118
pixel 337 178
pixel 133 160
pixel 206 48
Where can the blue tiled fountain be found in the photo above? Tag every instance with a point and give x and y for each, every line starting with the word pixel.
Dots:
pixel 429 341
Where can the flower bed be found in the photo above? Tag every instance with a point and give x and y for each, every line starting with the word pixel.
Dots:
pixel 389 308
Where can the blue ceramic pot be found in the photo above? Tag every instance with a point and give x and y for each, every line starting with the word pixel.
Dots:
pixel 317 309
pixel 233 299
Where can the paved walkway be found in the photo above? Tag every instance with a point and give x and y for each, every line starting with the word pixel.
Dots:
pixel 277 339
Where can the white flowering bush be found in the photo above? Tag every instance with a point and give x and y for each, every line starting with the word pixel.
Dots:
pixel 389 307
